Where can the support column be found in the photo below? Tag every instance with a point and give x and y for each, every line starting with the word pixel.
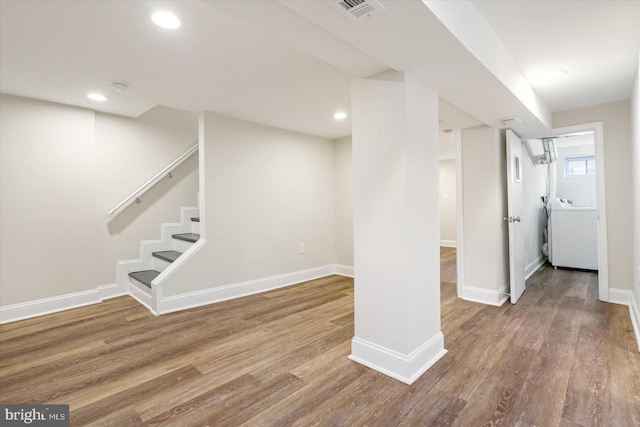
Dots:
pixel 396 227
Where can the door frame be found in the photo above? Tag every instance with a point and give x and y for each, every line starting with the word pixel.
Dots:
pixel 459 215
pixel 603 258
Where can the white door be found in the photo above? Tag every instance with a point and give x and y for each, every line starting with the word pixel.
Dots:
pixel 514 196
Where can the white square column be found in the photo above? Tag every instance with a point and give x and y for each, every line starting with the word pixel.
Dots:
pixel 396 227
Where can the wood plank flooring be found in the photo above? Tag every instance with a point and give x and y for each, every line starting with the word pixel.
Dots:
pixel 559 357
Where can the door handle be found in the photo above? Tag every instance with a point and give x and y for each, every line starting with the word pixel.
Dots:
pixel 511 219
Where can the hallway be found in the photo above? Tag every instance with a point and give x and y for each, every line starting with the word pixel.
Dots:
pixel 558 357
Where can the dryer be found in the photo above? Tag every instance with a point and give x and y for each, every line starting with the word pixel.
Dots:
pixel 573 236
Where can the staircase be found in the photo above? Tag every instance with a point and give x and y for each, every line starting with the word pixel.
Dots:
pixel 141 277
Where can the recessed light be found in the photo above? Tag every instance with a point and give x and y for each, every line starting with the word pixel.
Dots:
pixel 340 115
pixel 166 20
pixel 97 97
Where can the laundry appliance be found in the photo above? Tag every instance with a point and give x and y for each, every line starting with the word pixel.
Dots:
pixel 573 235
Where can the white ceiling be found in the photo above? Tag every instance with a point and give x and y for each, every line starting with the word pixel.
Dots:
pixel 61 50
pixel 597 42
pixel 290 64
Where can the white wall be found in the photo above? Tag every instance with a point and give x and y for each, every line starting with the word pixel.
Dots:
pixel 266 190
pixel 534 186
pixel 48 203
pixel 635 168
pixel 447 145
pixel 448 211
pixel 343 199
pixel 617 161
pixel 485 238
pixel 579 189
pixel 62 169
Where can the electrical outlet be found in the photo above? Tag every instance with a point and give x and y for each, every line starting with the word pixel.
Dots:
pixel 301 248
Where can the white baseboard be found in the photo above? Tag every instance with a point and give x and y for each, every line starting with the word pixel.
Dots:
pixel 110 291
pixel 485 296
pixel 343 270
pixel 27 310
pixel 533 266
pixel 620 296
pixel 237 290
pixel 448 243
pixel 405 368
pixel 634 311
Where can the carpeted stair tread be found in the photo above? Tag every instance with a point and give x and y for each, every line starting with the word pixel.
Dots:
pixel 187 237
pixel 145 276
pixel 169 256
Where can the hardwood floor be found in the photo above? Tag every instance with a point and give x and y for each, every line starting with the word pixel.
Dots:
pixel 557 358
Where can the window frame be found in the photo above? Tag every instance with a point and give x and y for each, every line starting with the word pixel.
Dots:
pixel 583 158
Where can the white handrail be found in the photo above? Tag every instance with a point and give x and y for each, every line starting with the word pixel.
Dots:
pixel 153 181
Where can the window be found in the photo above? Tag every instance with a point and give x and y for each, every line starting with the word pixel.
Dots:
pixel 580 166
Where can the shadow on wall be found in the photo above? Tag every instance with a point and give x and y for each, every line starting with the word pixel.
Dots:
pixel 120 223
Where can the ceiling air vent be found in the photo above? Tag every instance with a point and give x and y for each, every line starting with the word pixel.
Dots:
pixel 357 10
pixel 510 121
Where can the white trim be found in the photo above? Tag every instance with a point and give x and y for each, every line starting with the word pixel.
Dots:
pixel 141 296
pixel 634 311
pixel 110 291
pixel 201 176
pixel 603 258
pixel 157 285
pixel 175 265
pixel 27 310
pixel 485 296
pixel 534 266
pixel 620 296
pixel 343 270
pixel 236 290
pixel 151 182
pixel 460 215
pixel 405 368
pixel 123 268
pixel 448 243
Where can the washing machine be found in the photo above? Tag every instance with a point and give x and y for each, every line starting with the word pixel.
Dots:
pixel 573 236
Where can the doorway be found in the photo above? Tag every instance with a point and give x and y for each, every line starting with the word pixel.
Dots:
pixel 574 200
pixel 448 204
pixel 601 216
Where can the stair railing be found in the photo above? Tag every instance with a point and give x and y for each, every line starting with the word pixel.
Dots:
pixel 164 173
